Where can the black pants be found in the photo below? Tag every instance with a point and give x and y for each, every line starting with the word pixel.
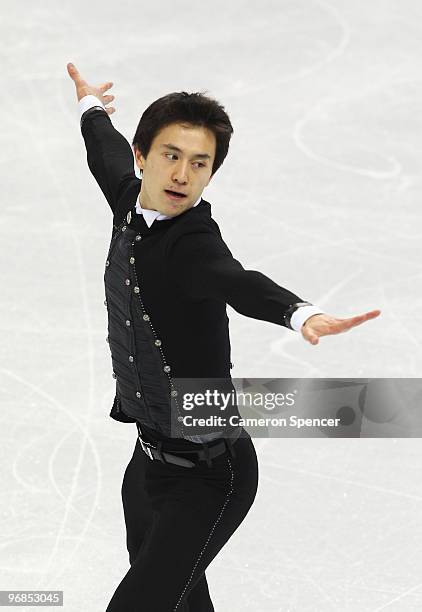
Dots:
pixel 177 520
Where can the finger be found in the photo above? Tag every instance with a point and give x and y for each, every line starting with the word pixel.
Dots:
pixel 110 110
pixel 310 337
pixel 341 325
pixel 368 315
pixel 105 86
pixel 107 99
pixel 74 74
pixel 373 313
pixel 346 324
pixel 364 317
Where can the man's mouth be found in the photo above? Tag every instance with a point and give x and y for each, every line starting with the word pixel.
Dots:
pixel 174 195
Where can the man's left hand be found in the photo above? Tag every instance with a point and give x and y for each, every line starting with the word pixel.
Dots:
pixel 324 325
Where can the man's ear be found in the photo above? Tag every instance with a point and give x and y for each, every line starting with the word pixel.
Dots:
pixel 138 157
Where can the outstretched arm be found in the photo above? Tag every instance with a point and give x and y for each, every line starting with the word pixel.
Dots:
pixel 109 154
pixel 205 268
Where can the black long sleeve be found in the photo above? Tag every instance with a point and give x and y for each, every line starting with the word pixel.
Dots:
pixel 109 155
pixel 203 266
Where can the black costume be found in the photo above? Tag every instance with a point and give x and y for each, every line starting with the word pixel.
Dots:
pixel 167 287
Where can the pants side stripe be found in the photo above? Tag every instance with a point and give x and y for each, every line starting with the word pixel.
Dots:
pixel 209 536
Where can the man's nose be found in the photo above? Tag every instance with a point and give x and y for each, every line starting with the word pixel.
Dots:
pixel 180 173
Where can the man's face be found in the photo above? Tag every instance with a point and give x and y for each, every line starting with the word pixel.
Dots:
pixel 180 159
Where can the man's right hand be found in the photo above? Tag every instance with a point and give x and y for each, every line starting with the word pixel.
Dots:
pixel 83 89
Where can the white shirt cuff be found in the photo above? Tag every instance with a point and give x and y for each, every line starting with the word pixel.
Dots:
pixel 303 313
pixel 88 102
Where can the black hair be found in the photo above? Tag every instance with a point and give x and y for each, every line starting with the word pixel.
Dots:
pixel 196 109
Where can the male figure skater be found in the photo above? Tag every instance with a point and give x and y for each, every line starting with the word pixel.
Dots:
pixel 168 278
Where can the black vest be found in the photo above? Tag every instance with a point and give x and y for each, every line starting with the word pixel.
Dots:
pixel 151 329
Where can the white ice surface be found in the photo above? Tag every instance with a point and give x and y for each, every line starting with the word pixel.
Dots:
pixel 321 191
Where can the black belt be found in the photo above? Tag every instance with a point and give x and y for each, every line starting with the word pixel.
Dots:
pixel 205 454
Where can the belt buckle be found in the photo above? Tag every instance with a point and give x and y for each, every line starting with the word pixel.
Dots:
pixel 146 448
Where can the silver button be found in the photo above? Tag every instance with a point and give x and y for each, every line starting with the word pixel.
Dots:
pixel 124 228
pixel 128 322
pixel 167 369
pixel 138 394
pixel 136 289
pixel 132 260
pixel 130 358
pixel 145 317
pixel 138 237
pixel 127 281
pixel 157 343
pixel 129 217
pixel 105 302
pixel 114 375
pixel 107 263
pixel 174 393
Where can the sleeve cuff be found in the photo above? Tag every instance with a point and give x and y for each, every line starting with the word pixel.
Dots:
pixel 300 315
pixel 88 102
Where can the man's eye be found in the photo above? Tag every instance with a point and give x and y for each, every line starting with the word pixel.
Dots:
pixel 199 164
